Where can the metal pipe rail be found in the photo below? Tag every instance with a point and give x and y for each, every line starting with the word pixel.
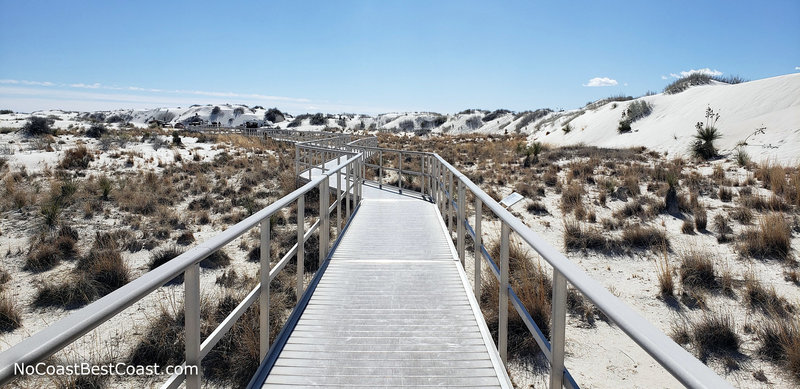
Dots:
pixel 677 361
pixel 60 334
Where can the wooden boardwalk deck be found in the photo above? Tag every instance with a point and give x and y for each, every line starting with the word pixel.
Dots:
pixel 393 308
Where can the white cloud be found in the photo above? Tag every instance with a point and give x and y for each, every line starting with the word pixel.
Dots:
pixel 797 68
pixel 687 73
pixel 601 81
pixel 664 77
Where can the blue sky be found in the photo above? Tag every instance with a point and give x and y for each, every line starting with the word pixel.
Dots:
pixel 377 56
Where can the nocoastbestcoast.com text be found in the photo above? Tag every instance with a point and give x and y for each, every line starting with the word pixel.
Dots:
pixel 116 369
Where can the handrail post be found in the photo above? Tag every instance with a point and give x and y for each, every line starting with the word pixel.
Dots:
pixel 422 172
pixel 380 169
pixel 347 187
pixel 324 217
pixel 478 253
pixel 400 173
pixel 450 211
pixel 502 325
pixel 263 317
pixel 460 222
pixel 296 163
pixel 338 202
pixel 559 313
pixel 191 304
pixel 301 205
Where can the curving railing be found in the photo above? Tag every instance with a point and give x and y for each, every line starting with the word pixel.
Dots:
pixel 62 333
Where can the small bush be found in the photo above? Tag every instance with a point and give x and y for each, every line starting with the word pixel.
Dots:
pixel 700 219
pixel 43 258
pixel 684 83
pixel 635 111
pixel 688 226
pixel 96 131
pixel 76 158
pixel 757 297
pixel 697 271
pixel 645 238
pixel 576 237
pixel 703 146
pixel 725 194
pixel 185 238
pixel 780 342
pixel 75 292
pixel 771 239
pixel 10 318
pixel 37 126
pixel 715 335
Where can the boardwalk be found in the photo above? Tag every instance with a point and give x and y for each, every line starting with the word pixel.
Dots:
pixel 393 308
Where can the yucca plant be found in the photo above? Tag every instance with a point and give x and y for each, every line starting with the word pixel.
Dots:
pixel 707 133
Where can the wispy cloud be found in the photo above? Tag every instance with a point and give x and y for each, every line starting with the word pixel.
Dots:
pixel 686 73
pixel 601 81
pixel 797 68
pixel 97 86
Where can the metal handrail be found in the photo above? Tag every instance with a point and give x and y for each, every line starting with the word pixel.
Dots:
pixel 676 360
pixel 60 334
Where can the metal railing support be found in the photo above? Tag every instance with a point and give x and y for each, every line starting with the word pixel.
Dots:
pixel 338 202
pixel 301 205
pixel 324 217
pixel 450 210
pixel 347 188
pixel 477 253
pixel 502 321
pixel 460 222
pixel 380 169
pixel 191 301
pixel 296 164
pixel 400 173
pixel 559 313
pixel 263 300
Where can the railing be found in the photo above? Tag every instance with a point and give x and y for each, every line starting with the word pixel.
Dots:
pixel 65 331
pixel 444 181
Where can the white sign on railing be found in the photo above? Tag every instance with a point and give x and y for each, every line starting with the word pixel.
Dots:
pixel 511 199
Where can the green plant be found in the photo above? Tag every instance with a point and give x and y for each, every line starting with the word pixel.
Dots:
pixel 703 146
pixel 105 186
pixel 742 157
pixel 38 126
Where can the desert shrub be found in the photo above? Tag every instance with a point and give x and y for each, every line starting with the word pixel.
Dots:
pixel 406 125
pixel 274 115
pixel 742 157
pixel 72 293
pixel 725 194
pixel 644 238
pixel 317 119
pixel 703 146
pixel 723 226
pixel 772 238
pixel 537 208
pixel 757 297
pixel 534 289
pixel 577 237
pixel 96 131
pixel 697 271
pixel 37 126
pixel 10 318
pixel 76 158
pixel 216 260
pixel 684 83
pixel 742 215
pixel 43 258
pixel 571 198
pixel 700 219
pixel 688 226
pixel 495 114
pixel 780 342
pixel 185 238
pixel 711 335
pixel 6 111
pixel 635 111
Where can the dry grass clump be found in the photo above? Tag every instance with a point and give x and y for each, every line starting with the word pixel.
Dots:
pixel 76 158
pixel 772 203
pixel 571 198
pixel 217 259
pixel 780 342
pixel 725 194
pixel 757 297
pixel 688 226
pixel 578 237
pixel 645 238
pixel 537 208
pixel 742 215
pixel 711 335
pixel 697 271
pixel 772 238
pixel 666 283
pixel 533 287
pixel 10 318
pixel 48 252
pixel 700 219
